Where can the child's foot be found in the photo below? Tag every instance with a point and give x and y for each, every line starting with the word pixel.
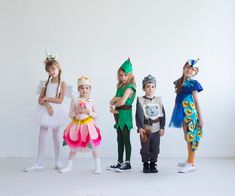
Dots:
pixel 146 168
pixel 65 169
pixel 188 168
pixel 97 171
pixel 153 168
pixel 58 166
pixel 115 166
pixel 182 164
pixel 33 168
pixel 124 167
pixel 97 166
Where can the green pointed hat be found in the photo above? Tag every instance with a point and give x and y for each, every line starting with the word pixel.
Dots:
pixel 127 66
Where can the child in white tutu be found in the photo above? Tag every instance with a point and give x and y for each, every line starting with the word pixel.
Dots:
pixel 82 133
pixel 50 113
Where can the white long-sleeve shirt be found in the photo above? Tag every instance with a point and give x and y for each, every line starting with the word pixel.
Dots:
pixel 81 102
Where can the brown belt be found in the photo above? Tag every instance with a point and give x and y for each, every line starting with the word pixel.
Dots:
pixel 150 122
pixel 124 107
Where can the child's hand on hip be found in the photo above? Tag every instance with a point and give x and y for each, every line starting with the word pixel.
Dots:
pixel 112 109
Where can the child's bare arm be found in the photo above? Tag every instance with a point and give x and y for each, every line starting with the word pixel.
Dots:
pixel 114 100
pixel 59 99
pixel 128 93
pixel 42 93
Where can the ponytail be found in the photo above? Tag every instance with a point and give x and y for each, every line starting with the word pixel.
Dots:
pixel 58 87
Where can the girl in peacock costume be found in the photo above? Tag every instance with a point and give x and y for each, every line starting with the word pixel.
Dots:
pixel 187 113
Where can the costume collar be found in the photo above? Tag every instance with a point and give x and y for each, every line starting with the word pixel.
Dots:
pixel 149 98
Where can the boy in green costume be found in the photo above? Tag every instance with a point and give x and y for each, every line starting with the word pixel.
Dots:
pixel 121 107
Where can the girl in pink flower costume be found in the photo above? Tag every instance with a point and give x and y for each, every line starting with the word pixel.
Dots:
pixel 82 133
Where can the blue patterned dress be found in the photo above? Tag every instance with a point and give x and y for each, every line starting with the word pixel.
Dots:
pixel 185 112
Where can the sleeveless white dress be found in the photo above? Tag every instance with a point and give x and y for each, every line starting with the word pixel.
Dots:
pixel 59 116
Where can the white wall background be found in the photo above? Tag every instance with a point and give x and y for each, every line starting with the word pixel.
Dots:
pixel 94 37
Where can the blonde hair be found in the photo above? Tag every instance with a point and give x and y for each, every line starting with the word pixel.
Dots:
pixel 130 80
pixel 49 63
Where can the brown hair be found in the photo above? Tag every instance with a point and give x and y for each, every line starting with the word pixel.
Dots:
pixel 49 63
pixel 178 83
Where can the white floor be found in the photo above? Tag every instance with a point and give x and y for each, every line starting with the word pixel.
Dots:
pixel 214 177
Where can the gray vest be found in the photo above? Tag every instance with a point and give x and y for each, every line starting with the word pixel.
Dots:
pixel 152 111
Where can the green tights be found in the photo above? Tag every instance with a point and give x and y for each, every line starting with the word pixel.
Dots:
pixel 123 139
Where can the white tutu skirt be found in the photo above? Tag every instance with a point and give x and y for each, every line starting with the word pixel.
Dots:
pixel 59 117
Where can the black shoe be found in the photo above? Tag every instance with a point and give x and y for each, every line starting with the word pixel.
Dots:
pixel 115 166
pixel 153 168
pixel 146 168
pixel 124 167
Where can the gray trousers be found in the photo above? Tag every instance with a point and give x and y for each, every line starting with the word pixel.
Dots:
pixel 149 151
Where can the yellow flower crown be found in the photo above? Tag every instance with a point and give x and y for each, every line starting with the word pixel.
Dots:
pixel 84 80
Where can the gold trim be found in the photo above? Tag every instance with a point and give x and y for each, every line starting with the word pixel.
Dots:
pixel 83 121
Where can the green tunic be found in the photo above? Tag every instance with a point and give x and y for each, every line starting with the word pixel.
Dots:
pixel 124 117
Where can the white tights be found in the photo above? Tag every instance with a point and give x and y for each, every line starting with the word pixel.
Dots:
pixel 42 144
pixel 72 155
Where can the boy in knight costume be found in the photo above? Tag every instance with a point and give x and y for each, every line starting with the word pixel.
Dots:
pixel 150 121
